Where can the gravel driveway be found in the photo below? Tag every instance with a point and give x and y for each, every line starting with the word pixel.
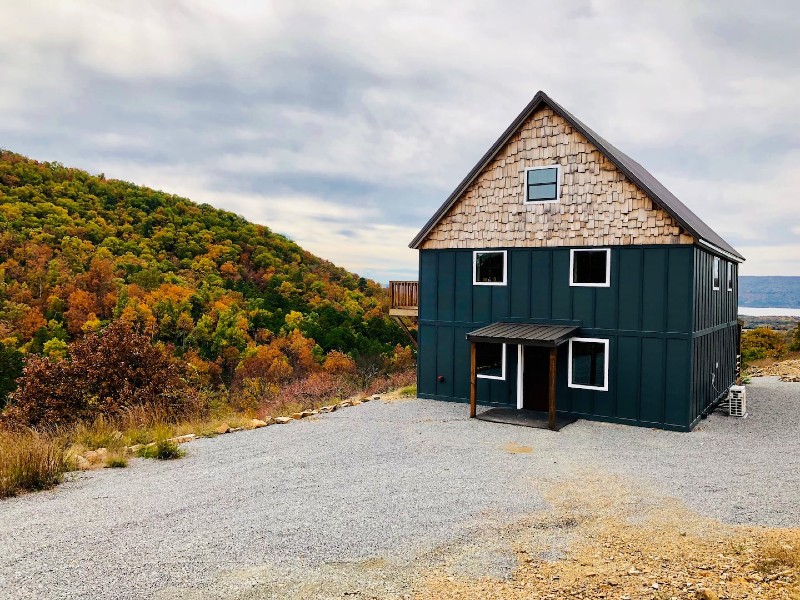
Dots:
pixel 360 501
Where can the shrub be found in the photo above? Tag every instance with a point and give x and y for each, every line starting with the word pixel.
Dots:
pixel 10 369
pixel 393 381
pixel 762 342
pixel 338 363
pixel 403 359
pixel 30 461
pixel 317 388
pixel 117 461
pixel 794 339
pixel 162 450
pixel 106 374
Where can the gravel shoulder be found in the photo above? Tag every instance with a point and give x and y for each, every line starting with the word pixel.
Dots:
pixel 364 500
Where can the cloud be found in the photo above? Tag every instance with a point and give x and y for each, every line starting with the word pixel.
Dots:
pixel 346 124
pixel 772 260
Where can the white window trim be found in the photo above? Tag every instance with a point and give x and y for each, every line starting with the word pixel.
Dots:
pixel 716 263
pixel 502 375
pixel 729 280
pixel 475 264
pixel 558 184
pixel 604 388
pixel 572 267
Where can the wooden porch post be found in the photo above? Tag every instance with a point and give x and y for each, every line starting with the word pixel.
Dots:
pixel 552 420
pixel 473 381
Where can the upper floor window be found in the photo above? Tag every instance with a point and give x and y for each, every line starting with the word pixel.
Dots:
pixel 730 277
pixel 590 268
pixel 489 267
pixel 715 274
pixel 541 184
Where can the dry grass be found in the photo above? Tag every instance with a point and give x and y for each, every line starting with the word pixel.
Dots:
pixel 628 545
pixel 779 556
pixel 766 362
pixel 30 461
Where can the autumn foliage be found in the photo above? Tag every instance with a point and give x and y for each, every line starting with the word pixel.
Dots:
pixel 106 374
pixel 762 342
pixel 114 295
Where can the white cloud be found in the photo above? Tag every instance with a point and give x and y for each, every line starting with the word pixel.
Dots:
pixel 316 118
pixel 346 235
pixel 771 260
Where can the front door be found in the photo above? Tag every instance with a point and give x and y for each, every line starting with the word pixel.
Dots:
pixel 536 378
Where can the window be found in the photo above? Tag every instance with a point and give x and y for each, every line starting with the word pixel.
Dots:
pixel 490 360
pixel 489 268
pixel 541 184
pixel 715 274
pixel 591 268
pixel 588 364
pixel 730 277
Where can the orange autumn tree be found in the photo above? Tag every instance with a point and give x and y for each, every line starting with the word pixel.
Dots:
pixel 80 252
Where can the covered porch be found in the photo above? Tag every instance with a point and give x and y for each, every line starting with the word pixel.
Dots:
pixel 539 342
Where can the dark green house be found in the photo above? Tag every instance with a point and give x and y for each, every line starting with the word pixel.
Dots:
pixel 561 276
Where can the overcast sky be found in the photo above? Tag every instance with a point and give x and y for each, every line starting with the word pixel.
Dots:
pixel 346 124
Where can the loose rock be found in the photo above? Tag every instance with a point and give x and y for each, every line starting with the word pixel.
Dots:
pixel 224 428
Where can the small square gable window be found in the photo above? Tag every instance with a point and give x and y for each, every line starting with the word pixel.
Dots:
pixel 590 268
pixel 489 268
pixel 541 184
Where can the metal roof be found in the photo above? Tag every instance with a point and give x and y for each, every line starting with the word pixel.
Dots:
pixel 640 176
pixel 527 334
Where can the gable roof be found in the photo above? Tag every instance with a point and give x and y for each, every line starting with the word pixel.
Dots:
pixel 640 176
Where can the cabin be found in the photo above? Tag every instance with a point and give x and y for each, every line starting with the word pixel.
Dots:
pixel 560 277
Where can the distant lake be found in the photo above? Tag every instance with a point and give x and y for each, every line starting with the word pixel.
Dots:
pixel 769 312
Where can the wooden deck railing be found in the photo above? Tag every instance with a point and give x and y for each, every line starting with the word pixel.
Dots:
pixel 403 296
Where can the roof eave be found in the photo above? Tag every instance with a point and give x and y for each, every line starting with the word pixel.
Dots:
pixel 538 99
pixel 737 258
pixel 533 105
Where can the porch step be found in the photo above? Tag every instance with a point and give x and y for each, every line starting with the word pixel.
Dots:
pixel 525 418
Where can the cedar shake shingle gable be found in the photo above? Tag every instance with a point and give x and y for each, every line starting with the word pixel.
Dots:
pixel 607 198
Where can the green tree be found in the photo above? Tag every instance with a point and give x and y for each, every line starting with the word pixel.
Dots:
pixel 794 339
pixel 760 343
pixel 10 370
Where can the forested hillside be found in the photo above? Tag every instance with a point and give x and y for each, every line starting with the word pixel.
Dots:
pixel 769 291
pixel 79 251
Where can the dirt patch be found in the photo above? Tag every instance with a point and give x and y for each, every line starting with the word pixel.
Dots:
pixel 627 544
pixel 515 448
pixel 787 370
pixel 395 396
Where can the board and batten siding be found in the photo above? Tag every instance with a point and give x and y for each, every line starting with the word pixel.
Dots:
pixel 715 335
pixel 646 314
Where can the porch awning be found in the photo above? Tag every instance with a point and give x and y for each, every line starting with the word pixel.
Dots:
pixel 527 334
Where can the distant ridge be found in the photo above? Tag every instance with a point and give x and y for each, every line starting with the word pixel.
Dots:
pixel 769 292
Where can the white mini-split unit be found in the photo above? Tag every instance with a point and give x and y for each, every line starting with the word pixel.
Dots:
pixel 737 401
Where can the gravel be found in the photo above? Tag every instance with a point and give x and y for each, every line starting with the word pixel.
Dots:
pixel 362 500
